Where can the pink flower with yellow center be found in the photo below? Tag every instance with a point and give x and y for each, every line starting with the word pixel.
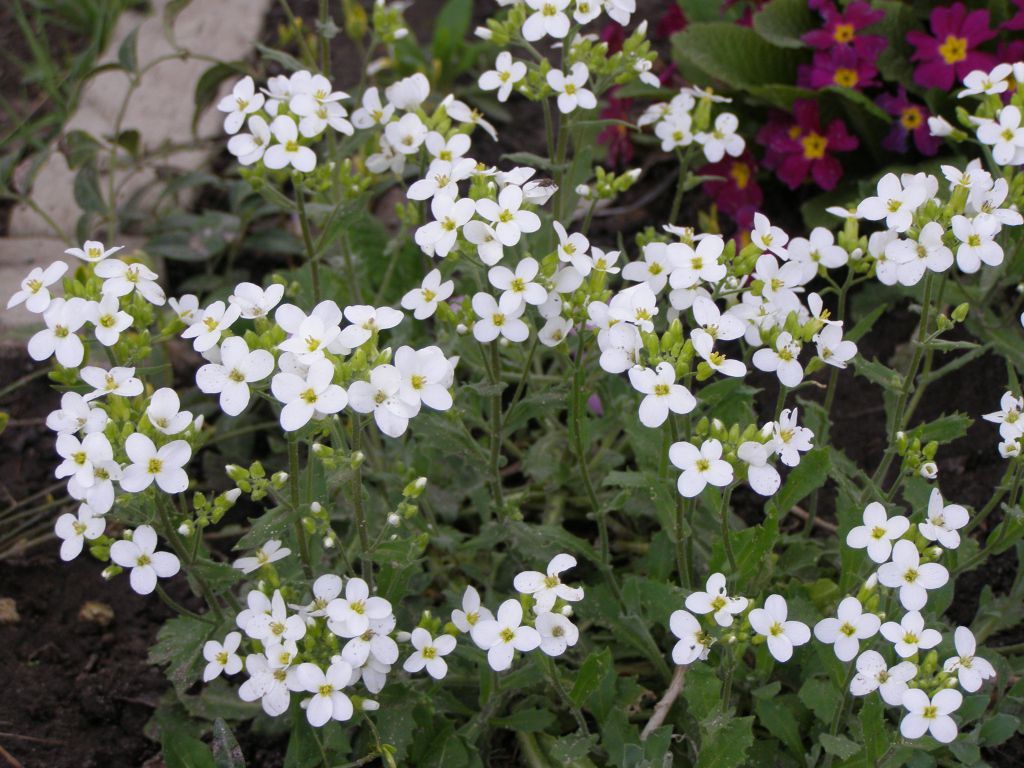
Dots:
pixel 804 148
pixel 949 53
pixel 911 122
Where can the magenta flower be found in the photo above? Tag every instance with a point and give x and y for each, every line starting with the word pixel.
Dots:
pixel 1016 22
pixel 912 121
pixel 842 28
pixel 948 54
pixel 801 148
pixel 737 193
pixel 672 20
pixel 614 34
pixel 842 67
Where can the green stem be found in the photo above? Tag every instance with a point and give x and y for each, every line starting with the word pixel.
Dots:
pixel 356 489
pixel 179 549
pixel 841 710
pixel 293 481
pixel 726 542
pixel 556 683
pixel 307 237
pixel 495 458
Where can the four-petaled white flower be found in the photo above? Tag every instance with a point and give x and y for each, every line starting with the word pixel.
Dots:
pixel 571 88
pixel 429 653
pixel 312 396
pixel 942 521
pixel 913 577
pixel 692 643
pixel 548 18
pixel 35 288
pixel 768 237
pixel 1009 417
pixel 206 329
pixel 141 556
pixel 977 243
pixel 350 616
pixel 250 147
pixel 519 284
pixel 547 587
pixel 499 318
pixel 832 349
pixel 663 395
pixel 329 701
pixel 932 715
pixel 385 396
pixel 874 674
pixel 848 628
pixel 243 100
pixel 970 670
pixel 507 216
pixel 121 278
pixel 762 476
pixel 254 301
pixel 93 251
pixel 722 140
pixel 231 377
pixel 437 238
pixel 222 657
pixel 878 532
pixel 288 150
pixel 75 530
pixel 701 466
pixel 119 380
pixel 108 318
pixel 505 634
pixel 274 625
pixel 893 202
pixel 423 301
pixel 270 552
pixel 557 633
pixel 58 339
pixel 910 635
pixel 1005 135
pixel 81 457
pixel 165 414
pixel 76 414
pixel 716 601
pixel 504 76
pixel 164 465
pixel 782 634
pixel 472 611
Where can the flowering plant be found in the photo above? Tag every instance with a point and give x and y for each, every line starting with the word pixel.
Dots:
pixel 496 479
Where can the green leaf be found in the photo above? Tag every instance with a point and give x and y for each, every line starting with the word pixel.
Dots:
pixel 873 731
pixel 286 60
pixel 778 719
pixel 821 697
pixel 782 22
pixel 79 148
pixel 998 729
pixel 944 429
pixel 450 28
pixel 304 749
pixel 592 672
pixel 804 479
pixel 179 646
pixel 725 741
pixel 209 83
pixel 127 53
pixel 702 690
pixel 879 374
pixel 839 746
pixel 87 190
pixel 226 752
pixel 737 56
pixel 527 720
pixel 180 751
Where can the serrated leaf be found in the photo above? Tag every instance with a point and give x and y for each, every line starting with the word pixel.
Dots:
pixel 179 646
pixel 782 22
pixel 592 671
pixel 821 697
pixel 879 374
pixel 810 474
pixel 725 741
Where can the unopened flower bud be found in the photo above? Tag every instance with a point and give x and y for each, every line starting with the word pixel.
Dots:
pixel 328 542
pixel 279 479
pixel 231 496
pixel 316 508
pixel 959 314
pixel 356 459
pixel 110 572
pixel 394 520
pixel 236 472
pixel 186 528
pixel 929 470
pixel 566 610
pixel 461 329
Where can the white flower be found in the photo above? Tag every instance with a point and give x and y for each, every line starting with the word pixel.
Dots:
pixel 698 264
pixel 93 251
pixel 270 552
pixel 927 253
pixel 620 348
pixel 942 521
pixel 547 587
pixel 206 330
pixel 75 530
pixel 986 202
pixel 429 653
pixel 874 674
pixel 121 278
pixel 1008 417
pixel 703 343
pixel 118 380
pixel 940 126
pixel 243 100
pixel 409 92
pixel 35 293
pixel 894 203
pixel 662 393
pixel 637 305
pixel 504 76
pixel 449 150
pixel 659 261
pixel 250 147
pixel 970 670
pixel 222 657
pixel 913 578
pixel 329 702
pixel 1009 448
pixel 76 415
pixel 878 532
pixel 148 464
pixel 620 11
pixel 674 131
pixel 977 243
pixel 268 684
pixel 310 397
pixel 383 396
pixel 471 612
pixel 832 349
pixel 442 178
pixel 254 301
pixel 519 284
pixel 717 601
pixel 423 301
pixel 141 556
pixel 701 466
pixel 548 18
pixel 713 323
pixel 483 236
pixel 571 90
pixel 850 626
pixel 63 318
pixel 932 716
pixel 366 321
pixel 782 635
pixel 505 634
pixel 81 457
pixel 288 150
pixel 463 113
pixel 426 376
pixel 762 476
pixel 437 238
pixel 910 635
pixel 783 361
pixel 317 116
pixel 165 414
pixel 372 112
pixel 768 237
pixel 693 643
pixel 1005 135
pixel 274 625
pixel 350 616
pixel 238 367
pixel 789 438
pixel 406 135
pixel 604 261
pixel 979 82
pixel 820 250
pixel 325 588
pixel 723 139
pixel 185 307
pixel 507 217
pixel 374 643
pixel 499 318
pixel 108 318
pixel 572 249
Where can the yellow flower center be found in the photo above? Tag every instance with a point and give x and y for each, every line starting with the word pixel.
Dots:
pixel 845 77
pixel 814 145
pixel 843 33
pixel 954 49
pixel 155 466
